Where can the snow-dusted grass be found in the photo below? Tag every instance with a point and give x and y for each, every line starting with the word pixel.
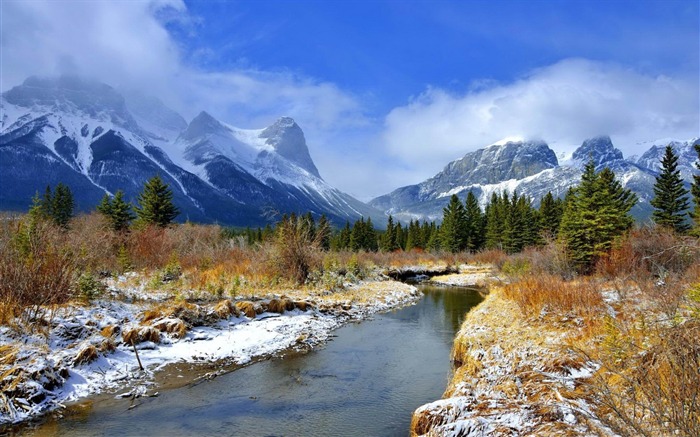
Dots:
pixel 512 378
pixel 87 349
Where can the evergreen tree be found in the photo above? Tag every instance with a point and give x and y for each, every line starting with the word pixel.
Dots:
pixel 323 230
pixel 434 243
pixel 496 212
pixel 474 223
pixel 596 213
pixel 62 205
pixel 117 211
pixel 370 240
pixel 550 213
pixel 453 231
pixel 56 205
pixel 670 202
pixel 695 191
pixel 389 240
pixel 401 236
pixel 414 236
pixel 155 203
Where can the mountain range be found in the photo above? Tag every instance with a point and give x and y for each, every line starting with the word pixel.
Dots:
pixel 97 140
pixel 532 168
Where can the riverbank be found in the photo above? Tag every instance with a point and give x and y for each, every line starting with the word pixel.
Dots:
pixel 83 349
pixel 513 376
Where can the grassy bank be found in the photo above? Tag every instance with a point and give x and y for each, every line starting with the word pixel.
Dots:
pixel 552 353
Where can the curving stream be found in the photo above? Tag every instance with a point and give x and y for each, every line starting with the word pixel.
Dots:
pixel 366 382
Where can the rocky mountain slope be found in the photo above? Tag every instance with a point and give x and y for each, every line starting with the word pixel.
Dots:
pixel 89 136
pixel 531 168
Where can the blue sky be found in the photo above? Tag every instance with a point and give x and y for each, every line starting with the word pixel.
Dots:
pixel 387 92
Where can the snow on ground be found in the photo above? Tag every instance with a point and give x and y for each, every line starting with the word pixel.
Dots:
pixel 84 350
pixel 511 377
pixel 468 276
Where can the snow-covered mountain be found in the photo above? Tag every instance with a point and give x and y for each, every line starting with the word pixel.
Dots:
pixel 87 135
pixel 531 168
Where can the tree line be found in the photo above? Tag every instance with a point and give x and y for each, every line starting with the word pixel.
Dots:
pixel 586 221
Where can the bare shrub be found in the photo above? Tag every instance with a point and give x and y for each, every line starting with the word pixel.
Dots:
pixel 296 250
pixel 550 259
pixel 36 270
pixel 650 251
pixel 651 390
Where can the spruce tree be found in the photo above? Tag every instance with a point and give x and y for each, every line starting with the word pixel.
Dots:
pixel 155 204
pixel 596 213
pixel 117 211
pixel 495 220
pixel 695 191
pixel 475 223
pixel 453 231
pixel 389 240
pixel 670 202
pixel 550 213
pixel 62 205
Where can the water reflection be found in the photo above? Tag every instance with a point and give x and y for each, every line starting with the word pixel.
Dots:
pixel 366 382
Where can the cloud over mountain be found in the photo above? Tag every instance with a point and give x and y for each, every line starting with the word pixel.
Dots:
pixel 563 103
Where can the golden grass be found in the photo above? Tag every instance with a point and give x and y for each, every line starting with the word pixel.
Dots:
pixel 86 355
pixel 174 327
pixel 8 354
pixel 247 308
pixel 225 309
pixel 533 294
pixel 140 334
pixel 110 331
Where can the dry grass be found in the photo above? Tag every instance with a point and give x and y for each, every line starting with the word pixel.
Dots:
pixel 175 327
pixel 534 294
pixel 140 334
pixel 110 331
pixel 225 309
pixel 247 308
pixel 8 354
pixel 86 355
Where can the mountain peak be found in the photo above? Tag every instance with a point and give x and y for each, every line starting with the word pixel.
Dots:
pixel 68 94
pixel 288 140
pixel 599 148
pixel 203 124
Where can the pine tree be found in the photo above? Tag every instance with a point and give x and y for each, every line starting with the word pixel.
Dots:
pixel 474 219
pixel 155 203
pixel 453 231
pixel 670 201
pixel 389 240
pixel 596 213
pixel 551 211
pixel 56 205
pixel 370 241
pixel 695 191
pixel 62 205
pixel 117 211
pixel 495 220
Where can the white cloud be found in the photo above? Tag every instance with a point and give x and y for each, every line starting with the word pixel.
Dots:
pixel 127 44
pixel 563 104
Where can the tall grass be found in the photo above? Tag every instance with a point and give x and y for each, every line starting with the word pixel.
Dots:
pixel 540 294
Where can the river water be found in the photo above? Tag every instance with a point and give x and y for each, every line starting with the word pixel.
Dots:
pixel 367 381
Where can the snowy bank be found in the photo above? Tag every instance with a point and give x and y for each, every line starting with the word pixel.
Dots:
pixel 83 350
pixel 512 376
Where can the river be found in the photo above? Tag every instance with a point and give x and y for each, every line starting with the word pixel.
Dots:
pixel 367 381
